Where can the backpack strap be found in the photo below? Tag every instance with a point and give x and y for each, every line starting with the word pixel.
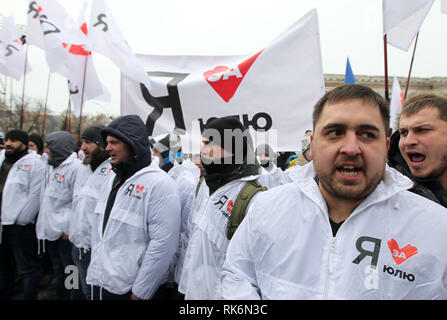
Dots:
pixel 199 184
pixel 240 205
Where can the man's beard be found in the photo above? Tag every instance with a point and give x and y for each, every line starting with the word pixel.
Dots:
pixel 92 155
pixel 344 191
pixel 10 153
pixel 14 154
pixel 437 173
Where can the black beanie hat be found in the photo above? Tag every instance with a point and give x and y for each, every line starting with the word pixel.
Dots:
pixel 93 134
pixel 230 123
pixel 34 137
pixel 18 135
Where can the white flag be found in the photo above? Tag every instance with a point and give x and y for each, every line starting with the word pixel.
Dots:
pixel 49 27
pixel 272 91
pixel 396 103
pixel 402 20
pixel 12 50
pixel 444 6
pixel 78 68
pixel 108 40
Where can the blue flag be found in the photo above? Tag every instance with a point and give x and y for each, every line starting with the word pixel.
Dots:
pixel 349 76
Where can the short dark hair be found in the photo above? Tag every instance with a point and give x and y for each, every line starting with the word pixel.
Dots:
pixel 350 92
pixel 427 100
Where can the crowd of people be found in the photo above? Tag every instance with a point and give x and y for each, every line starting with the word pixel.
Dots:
pixel 359 212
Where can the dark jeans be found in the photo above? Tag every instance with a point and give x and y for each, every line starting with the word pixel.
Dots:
pixel 162 293
pixel 60 254
pixel 82 261
pixel 17 245
pixel 103 294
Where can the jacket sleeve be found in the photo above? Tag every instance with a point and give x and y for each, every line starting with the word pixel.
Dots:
pixel 75 171
pixel 32 200
pixel 238 275
pixel 163 223
pixel 187 207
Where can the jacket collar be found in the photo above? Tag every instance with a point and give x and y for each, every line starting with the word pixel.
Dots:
pixel 392 183
pixel 67 161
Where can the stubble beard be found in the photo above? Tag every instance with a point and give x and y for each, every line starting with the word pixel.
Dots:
pixel 346 191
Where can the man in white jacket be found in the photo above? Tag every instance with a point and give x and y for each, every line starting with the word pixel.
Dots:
pixel 168 149
pixel 21 176
pixel 137 219
pixel 86 193
pixel 348 228
pixel 267 158
pixel 229 161
pixel 56 207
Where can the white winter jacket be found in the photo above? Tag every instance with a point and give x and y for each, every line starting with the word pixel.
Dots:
pixel 191 167
pixel 86 193
pixel 208 242
pixel 141 235
pixel 186 184
pixel 278 177
pixel 393 246
pixel 21 193
pixel 56 199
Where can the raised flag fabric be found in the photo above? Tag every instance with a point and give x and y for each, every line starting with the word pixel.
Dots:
pixel 83 81
pixel 107 39
pixel 48 27
pixel 396 103
pixel 271 91
pixel 349 75
pixel 12 51
pixel 402 20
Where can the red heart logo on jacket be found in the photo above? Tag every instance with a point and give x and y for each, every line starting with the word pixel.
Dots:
pixel 225 80
pixel 230 206
pixel 139 188
pixel 400 255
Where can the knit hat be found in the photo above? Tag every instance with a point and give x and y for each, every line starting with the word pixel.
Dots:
pixel 228 132
pixel 93 134
pixel 18 135
pixel 34 137
pixel 305 141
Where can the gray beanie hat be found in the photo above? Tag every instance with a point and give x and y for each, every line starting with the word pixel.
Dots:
pixel 93 134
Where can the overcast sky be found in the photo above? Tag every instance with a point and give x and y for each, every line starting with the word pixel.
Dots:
pixel 208 27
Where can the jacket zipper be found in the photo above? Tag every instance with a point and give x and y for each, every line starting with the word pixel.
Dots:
pixel 329 269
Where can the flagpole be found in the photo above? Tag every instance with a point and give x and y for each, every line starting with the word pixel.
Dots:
pixel 66 114
pixel 10 106
pixel 82 100
pixel 23 92
pixel 411 66
pixel 45 107
pixel 69 115
pixel 386 67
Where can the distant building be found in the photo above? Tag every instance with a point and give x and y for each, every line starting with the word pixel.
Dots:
pixel 377 83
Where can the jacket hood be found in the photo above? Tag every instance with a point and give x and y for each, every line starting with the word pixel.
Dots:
pixel 395 158
pixel 131 130
pixel 61 145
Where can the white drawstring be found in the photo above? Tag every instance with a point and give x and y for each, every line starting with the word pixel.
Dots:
pixel 38 247
pixel 43 242
pixel 91 291
pixel 80 254
pixel 100 293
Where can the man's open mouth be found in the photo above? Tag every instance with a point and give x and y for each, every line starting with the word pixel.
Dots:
pixel 416 157
pixel 349 170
